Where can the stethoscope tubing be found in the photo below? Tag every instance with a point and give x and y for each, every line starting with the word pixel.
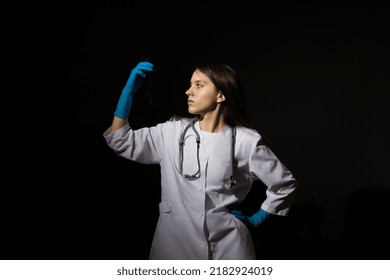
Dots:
pixel 195 176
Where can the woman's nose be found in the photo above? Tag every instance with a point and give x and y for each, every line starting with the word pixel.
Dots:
pixel 189 93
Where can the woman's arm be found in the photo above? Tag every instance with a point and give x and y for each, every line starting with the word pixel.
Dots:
pixel 135 81
pixel 117 123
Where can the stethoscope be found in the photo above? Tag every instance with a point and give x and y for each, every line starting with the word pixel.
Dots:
pixel 196 175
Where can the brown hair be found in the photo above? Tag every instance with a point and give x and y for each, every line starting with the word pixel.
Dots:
pixel 226 80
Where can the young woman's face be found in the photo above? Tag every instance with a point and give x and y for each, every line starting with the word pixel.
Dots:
pixel 203 96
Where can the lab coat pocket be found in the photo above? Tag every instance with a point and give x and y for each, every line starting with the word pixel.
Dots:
pixel 165 208
pixel 219 172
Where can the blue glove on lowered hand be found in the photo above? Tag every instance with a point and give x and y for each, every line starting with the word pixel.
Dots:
pixel 135 81
pixel 254 220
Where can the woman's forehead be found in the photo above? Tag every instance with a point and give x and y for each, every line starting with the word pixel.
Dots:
pixel 199 76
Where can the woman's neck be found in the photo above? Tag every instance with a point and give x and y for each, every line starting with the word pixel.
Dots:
pixel 212 122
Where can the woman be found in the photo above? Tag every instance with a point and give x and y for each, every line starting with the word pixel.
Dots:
pixel 208 164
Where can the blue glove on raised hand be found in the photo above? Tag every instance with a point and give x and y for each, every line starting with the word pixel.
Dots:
pixel 254 220
pixel 135 81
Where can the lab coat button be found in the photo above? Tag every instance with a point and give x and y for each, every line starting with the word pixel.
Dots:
pixel 200 214
pixel 204 244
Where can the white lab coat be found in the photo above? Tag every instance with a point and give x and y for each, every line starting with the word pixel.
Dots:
pixel 194 221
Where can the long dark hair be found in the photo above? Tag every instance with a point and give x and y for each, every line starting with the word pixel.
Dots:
pixel 226 80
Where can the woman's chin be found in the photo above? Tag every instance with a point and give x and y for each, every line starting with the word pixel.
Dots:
pixel 193 112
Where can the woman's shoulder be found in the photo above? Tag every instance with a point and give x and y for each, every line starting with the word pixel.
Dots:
pixel 248 135
pixel 180 119
pixel 176 122
pixel 248 132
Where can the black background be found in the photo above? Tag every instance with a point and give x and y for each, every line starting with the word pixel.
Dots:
pixel 317 83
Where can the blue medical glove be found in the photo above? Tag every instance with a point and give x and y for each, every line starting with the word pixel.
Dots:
pixel 254 220
pixel 135 81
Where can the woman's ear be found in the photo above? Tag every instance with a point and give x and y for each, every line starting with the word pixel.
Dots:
pixel 221 97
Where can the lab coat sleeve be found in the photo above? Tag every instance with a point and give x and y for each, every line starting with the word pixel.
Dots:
pixel 281 184
pixel 143 145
